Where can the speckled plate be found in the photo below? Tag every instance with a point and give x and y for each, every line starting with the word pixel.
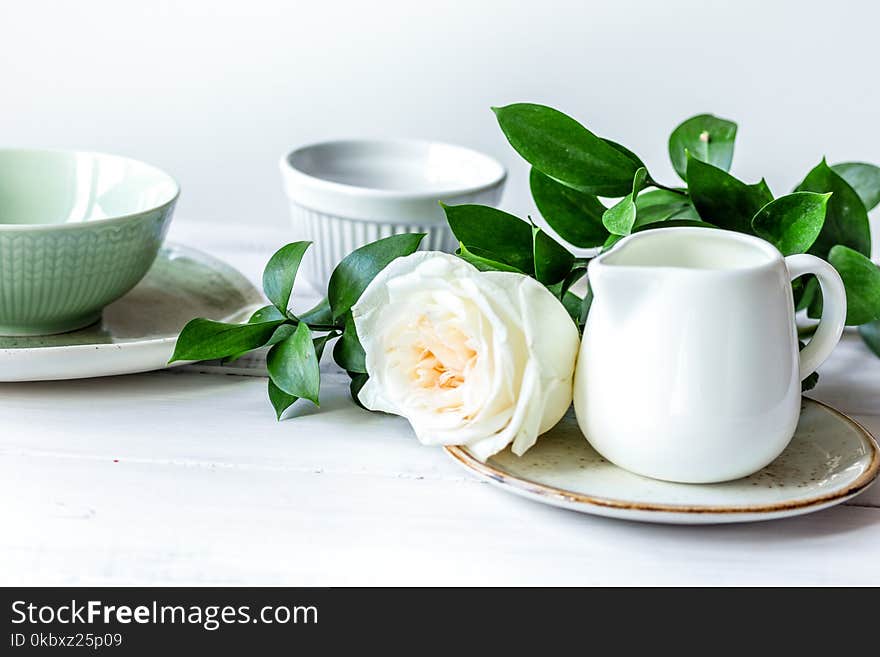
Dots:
pixel 137 333
pixel 830 459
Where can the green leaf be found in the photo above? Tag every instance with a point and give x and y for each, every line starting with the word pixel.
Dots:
pixel 721 199
pixel 573 277
pixel 861 277
pixel 623 149
pixel 705 138
pixel 563 149
pixel 792 223
pixel 552 260
pixel 610 242
pixel 804 289
pixel 863 178
pixel 674 223
pixel 293 365
pixel 483 260
pixel 814 301
pixel 357 382
pixel 660 197
pixel 280 272
pixel 619 218
pixel 658 205
pixel 320 314
pixel 267 314
pixel 351 276
pixel 227 360
pixel 348 352
pixel 585 306
pixel 763 188
pixel 846 220
pixel 810 382
pixel 320 342
pixel 572 304
pixel 575 216
pixel 281 334
pixel 280 400
pixel 870 333
pixel 570 301
pixel 205 339
pixel 485 230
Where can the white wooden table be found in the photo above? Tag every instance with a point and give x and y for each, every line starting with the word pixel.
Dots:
pixel 184 477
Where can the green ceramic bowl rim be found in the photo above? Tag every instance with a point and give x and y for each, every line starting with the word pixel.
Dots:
pixel 84 225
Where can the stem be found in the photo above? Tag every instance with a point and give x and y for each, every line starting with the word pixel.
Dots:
pixel 315 327
pixel 323 327
pixel 653 183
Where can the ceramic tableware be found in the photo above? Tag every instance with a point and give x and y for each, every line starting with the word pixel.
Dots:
pixel 344 194
pixel 137 333
pixel 689 368
pixel 830 460
pixel 77 231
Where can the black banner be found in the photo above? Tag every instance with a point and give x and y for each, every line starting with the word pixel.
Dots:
pixel 156 621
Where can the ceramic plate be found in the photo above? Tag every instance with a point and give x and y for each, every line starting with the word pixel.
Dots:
pixel 830 459
pixel 137 333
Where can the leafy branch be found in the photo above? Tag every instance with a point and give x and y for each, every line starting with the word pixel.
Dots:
pixel 572 170
pixel 826 214
pixel 296 344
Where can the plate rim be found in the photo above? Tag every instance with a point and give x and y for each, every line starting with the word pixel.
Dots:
pixel 230 272
pixel 559 495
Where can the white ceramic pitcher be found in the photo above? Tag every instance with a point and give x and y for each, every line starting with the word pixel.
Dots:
pixel 689 367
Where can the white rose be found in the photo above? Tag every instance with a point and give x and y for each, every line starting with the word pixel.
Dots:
pixel 482 359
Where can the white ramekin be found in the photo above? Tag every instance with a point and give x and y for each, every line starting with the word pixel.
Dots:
pixel 344 194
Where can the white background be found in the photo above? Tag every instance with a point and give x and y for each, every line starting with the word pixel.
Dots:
pixel 215 91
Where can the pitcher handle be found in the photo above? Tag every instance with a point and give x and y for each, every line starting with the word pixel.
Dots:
pixel 833 318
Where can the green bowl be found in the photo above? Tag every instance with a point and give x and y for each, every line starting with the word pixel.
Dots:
pixel 77 231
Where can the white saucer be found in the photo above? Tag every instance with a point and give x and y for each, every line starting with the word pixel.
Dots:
pixel 138 332
pixel 830 459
